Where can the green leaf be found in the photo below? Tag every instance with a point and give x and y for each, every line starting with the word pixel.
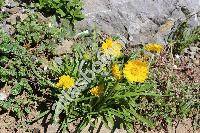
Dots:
pixel 16 89
pixel 82 124
pixel 116 113
pixel 144 120
pixel 23 84
pixel 59 11
pixel 132 94
pixel 185 108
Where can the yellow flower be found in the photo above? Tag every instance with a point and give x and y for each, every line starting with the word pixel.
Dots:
pixel 116 72
pixel 110 47
pixel 65 82
pixel 97 90
pixel 136 71
pixel 153 47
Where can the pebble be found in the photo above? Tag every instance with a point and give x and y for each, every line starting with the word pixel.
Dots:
pixel 186 59
pixel 9 29
pixel 194 49
pixel 23 16
pixel 3 96
pixel 196 62
pixel 12 19
pixel 58 60
pixel 13 10
pixel 11 3
pixel 186 50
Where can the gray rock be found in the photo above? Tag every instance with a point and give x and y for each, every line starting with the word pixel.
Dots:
pixel 196 62
pixel 11 3
pixel 3 96
pixel 65 47
pixel 15 17
pixel 41 18
pixel 12 19
pixel 12 10
pixel 9 29
pixel 139 21
pixel 58 60
pixel 193 48
pixel 23 16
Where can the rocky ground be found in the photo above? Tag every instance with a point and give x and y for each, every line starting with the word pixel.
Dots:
pixel 136 22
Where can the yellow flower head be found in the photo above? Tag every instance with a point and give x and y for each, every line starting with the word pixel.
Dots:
pixel 153 47
pixel 116 72
pixel 110 47
pixel 136 71
pixel 65 82
pixel 97 90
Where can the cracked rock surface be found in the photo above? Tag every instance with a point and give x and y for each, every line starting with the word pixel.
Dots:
pixel 139 21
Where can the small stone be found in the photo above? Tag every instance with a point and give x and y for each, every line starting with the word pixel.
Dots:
pixel 41 18
pixel 11 3
pixel 196 62
pixel 9 29
pixel 189 65
pixel 58 60
pixel 186 59
pixel 12 19
pixel 194 49
pixel 49 24
pixel 175 66
pixel 177 56
pixel 64 48
pixel 186 50
pixel 13 10
pixel 197 56
pixel 3 96
pixel 23 16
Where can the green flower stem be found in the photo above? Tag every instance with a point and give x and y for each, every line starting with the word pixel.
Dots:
pixel 151 60
pixel 109 95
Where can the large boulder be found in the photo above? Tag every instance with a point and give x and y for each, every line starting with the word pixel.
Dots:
pixel 139 21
